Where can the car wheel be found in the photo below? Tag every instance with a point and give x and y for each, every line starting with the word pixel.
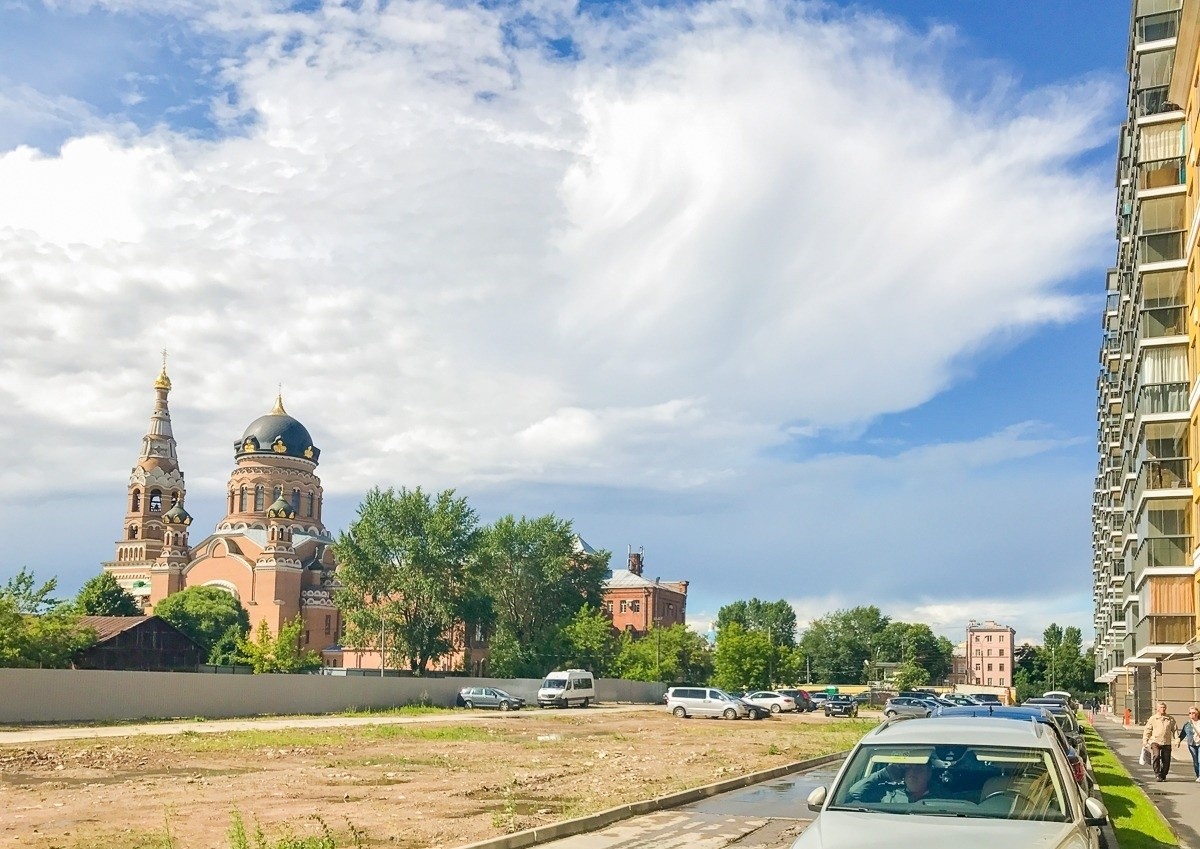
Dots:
pixel 730 713
pixel 504 706
pixel 890 714
pixel 827 711
pixel 680 712
pixel 585 703
pixel 775 708
pixel 468 704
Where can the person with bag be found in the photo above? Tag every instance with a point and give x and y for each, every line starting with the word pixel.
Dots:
pixel 1160 730
pixel 1191 733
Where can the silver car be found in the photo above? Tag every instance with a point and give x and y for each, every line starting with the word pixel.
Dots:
pixel 955 782
pixel 705 701
pixel 905 706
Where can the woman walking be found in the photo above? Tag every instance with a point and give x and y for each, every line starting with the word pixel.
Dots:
pixel 1191 734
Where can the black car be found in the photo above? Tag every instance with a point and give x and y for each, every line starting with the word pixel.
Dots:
pixel 840 705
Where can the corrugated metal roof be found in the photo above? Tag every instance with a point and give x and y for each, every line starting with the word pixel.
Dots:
pixel 107 627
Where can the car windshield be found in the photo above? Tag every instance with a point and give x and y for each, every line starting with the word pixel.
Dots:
pixel 974 781
pixel 553 684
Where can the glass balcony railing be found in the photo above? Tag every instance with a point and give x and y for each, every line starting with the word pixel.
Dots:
pixel 1160 247
pixel 1161 173
pixel 1156 27
pixel 1163 321
pixel 1163 398
pixel 1166 630
pixel 1163 553
pixel 1151 101
pixel 1161 474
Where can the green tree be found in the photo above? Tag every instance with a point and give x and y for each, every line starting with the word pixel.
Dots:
pixel 537 578
pixel 406 569
pixel 590 641
pixel 665 654
pixel 777 619
pixel 103 596
pixel 910 675
pixel 29 598
pixel 204 613
pixel 279 653
pixel 742 658
pixel 839 646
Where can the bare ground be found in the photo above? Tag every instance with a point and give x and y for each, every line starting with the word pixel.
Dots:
pixel 432 784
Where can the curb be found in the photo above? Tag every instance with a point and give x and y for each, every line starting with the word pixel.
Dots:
pixel 591 822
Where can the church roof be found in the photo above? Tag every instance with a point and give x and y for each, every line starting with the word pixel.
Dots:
pixel 277 433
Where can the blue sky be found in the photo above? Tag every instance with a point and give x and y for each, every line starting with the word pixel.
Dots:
pixel 803 299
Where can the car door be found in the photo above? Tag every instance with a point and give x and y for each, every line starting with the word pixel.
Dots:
pixel 490 698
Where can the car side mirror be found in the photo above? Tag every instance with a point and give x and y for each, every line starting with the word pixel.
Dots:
pixel 1094 812
pixel 816 799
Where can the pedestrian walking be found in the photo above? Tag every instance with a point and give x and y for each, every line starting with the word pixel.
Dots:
pixel 1157 736
pixel 1190 734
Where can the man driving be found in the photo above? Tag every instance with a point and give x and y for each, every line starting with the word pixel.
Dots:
pixel 895 782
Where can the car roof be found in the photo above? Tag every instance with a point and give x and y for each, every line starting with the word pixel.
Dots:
pixel 1018 712
pixel 960 730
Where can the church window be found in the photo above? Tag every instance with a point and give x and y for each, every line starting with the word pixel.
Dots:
pixel 259 496
pixel 155 501
pixel 135 503
pixel 306 640
pixel 276 493
pixel 310 504
pixel 295 501
pixel 174 498
pixel 242 500
pixel 230 501
pixel 328 624
pixel 133 531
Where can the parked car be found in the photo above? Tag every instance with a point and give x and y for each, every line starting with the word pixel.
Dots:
pixel 705 701
pixel 804 701
pixel 905 706
pixel 754 711
pixel 840 706
pixel 563 687
pixel 961 781
pixel 818 698
pixel 960 700
pixel 1036 713
pixel 1067 721
pixel 489 697
pixel 987 698
pixel 772 700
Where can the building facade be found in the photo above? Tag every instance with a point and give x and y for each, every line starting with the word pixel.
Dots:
pixel 989 654
pixel 270 551
pixel 1144 506
pixel 636 604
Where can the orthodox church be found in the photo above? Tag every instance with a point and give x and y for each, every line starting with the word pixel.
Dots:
pixel 270 551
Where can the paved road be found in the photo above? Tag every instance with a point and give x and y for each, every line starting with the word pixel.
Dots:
pixel 766 816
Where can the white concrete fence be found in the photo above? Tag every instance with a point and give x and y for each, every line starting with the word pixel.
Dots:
pixel 78 695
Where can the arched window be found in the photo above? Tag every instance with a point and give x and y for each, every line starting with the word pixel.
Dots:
pixel 295 501
pixel 311 497
pixel 135 503
pixel 242 500
pixel 230 510
pixel 259 495
pixel 155 501
pixel 276 493
pixel 133 531
pixel 175 497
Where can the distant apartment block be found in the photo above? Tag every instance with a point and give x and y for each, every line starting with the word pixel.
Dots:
pixel 989 660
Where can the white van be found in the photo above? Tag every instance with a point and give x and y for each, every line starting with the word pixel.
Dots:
pixel 567 687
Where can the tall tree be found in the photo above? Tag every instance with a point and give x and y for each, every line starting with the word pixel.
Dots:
pixel 103 596
pixel 675 654
pixel 27 596
pixel 405 566
pixel 776 619
pixel 37 630
pixel 204 614
pixel 742 658
pixel 841 645
pixel 537 579
pixel 590 641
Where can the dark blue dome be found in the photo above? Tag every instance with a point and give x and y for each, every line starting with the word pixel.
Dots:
pixel 277 433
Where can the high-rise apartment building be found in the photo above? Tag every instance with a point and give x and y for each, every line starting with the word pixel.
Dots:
pixel 1145 506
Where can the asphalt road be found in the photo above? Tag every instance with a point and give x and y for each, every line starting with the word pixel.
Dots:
pixel 766 816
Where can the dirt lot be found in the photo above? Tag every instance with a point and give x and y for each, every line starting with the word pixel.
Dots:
pixel 428 784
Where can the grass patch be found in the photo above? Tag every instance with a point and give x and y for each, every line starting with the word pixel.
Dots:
pixel 318 738
pixel 405 710
pixel 1136 820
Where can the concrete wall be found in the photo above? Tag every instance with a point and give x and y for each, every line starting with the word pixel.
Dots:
pixel 71 695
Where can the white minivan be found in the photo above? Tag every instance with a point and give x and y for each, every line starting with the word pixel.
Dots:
pixel 566 687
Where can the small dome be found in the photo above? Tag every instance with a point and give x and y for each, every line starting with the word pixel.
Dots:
pixel 177 515
pixel 277 433
pixel 281 509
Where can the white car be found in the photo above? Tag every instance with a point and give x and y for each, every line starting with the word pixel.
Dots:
pixel 775 702
pixel 954 782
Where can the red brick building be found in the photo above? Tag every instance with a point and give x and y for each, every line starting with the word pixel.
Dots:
pixel 636 603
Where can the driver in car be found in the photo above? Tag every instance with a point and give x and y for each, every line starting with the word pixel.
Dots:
pixel 894 783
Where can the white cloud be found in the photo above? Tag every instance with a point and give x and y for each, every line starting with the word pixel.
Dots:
pixel 471 261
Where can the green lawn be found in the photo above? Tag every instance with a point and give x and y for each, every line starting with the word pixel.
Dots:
pixel 1136 820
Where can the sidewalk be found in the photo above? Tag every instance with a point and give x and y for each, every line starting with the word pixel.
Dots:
pixel 1177 798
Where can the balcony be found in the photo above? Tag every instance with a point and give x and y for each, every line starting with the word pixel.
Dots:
pixel 1160 247
pixel 1162 398
pixel 1165 630
pixel 1156 27
pixel 1161 173
pixel 1163 553
pixel 1161 474
pixel 1152 101
pixel 1163 321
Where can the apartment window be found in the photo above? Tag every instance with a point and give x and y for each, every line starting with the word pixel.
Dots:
pixel 976 638
pixel 989 652
pixel 977 667
pixel 624 606
pixel 608 607
pixel 1001 652
pixel 989 667
pixel 635 607
pixel 989 638
pixel 989 682
pixel 1002 667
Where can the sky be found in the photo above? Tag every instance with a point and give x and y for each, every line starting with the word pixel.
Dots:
pixel 801 298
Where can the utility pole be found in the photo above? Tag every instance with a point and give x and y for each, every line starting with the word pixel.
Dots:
pixel 382 656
